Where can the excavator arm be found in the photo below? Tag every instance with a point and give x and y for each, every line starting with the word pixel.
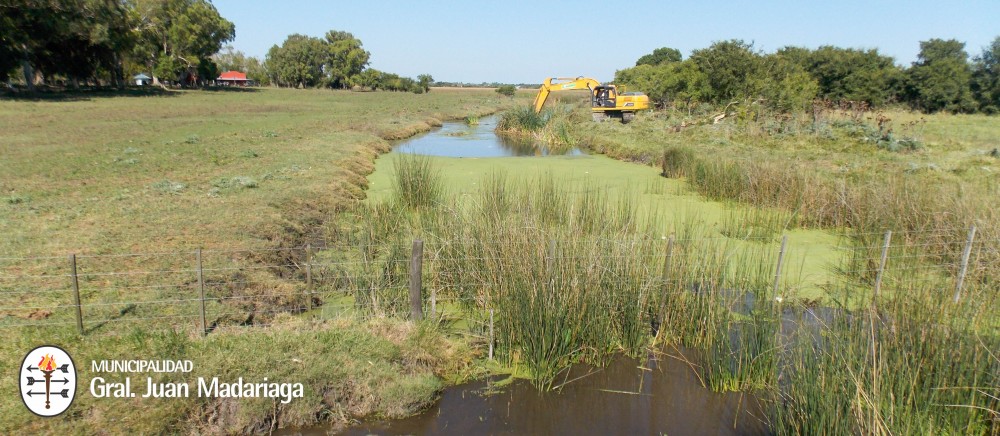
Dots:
pixel 563 84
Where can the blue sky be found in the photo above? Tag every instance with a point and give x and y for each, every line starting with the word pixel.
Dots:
pixel 521 41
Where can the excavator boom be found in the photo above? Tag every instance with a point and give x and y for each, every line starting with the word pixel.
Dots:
pixel 604 99
pixel 563 84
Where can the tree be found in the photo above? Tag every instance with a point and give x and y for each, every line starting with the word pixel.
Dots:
pixel 789 88
pixel 346 58
pixel 660 56
pixel 848 74
pixel 230 59
pixel 673 82
pixel 940 79
pixel 986 78
pixel 177 35
pixel 424 81
pixel 298 62
pixel 370 78
pixel 507 90
pixel 74 39
pixel 733 68
pixel 306 61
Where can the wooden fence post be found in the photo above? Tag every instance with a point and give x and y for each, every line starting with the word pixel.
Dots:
pixel 965 262
pixel 201 288
pixel 416 270
pixel 309 277
pixel 881 266
pixel 491 334
pixel 781 258
pixel 76 293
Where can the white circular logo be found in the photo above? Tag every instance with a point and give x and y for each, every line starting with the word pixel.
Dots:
pixel 47 380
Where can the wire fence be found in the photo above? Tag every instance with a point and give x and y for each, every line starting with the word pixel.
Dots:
pixel 207 289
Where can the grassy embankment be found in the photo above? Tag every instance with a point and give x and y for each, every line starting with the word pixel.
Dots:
pixel 105 175
pixel 916 363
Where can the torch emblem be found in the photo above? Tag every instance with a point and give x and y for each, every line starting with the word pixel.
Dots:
pixel 48 381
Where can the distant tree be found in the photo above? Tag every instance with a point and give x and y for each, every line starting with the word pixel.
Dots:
pixel 789 88
pixel 941 77
pixel 647 78
pixel 298 62
pixel 178 34
pixel 986 78
pixel 346 58
pixel 369 78
pixel 507 90
pixel 230 59
pixel 424 81
pixel 304 61
pixel 669 83
pixel 75 39
pixel 660 56
pixel 733 68
pixel 10 44
pixel 848 74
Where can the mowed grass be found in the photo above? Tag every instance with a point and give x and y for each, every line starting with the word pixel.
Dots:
pixel 188 169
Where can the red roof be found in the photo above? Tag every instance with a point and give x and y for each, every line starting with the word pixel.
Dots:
pixel 232 75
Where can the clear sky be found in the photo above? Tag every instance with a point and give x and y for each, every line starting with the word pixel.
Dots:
pixel 515 41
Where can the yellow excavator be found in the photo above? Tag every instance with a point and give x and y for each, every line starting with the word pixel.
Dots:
pixel 605 100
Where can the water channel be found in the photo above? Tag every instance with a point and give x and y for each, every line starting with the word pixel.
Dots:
pixel 458 139
pixel 659 395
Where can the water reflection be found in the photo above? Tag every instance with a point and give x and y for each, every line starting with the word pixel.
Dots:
pixel 655 396
pixel 457 139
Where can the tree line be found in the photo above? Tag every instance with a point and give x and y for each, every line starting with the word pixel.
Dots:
pixel 337 60
pixel 943 78
pixel 106 42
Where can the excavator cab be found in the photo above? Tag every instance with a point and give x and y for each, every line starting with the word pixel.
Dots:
pixel 605 96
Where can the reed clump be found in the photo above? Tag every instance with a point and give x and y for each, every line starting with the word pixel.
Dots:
pixel 417 183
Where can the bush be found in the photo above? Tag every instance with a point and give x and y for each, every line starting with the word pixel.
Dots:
pixel 508 90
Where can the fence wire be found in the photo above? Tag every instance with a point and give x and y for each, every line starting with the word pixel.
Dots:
pixel 240 286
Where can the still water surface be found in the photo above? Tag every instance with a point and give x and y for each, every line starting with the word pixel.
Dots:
pixel 457 139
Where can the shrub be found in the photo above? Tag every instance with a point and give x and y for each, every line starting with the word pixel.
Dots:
pixel 508 90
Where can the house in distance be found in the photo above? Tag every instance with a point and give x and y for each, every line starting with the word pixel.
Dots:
pixel 142 79
pixel 233 78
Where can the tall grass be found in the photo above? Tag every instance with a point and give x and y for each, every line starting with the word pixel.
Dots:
pixel 579 277
pixel 930 214
pixel 417 183
pixel 522 119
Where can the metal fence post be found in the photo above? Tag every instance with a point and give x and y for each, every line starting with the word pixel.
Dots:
pixel 965 262
pixel 76 293
pixel 416 270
